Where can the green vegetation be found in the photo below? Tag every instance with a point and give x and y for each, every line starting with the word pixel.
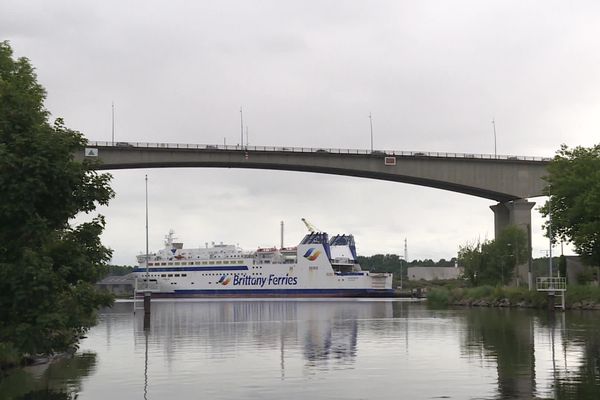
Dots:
pixel 47 267
pixel 577 296
pixel 493 262
pixel 574 199
pixel 582 294
pixel 118 270
pixel 486 296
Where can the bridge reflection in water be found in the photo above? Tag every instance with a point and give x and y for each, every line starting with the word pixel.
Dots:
pixel 336 349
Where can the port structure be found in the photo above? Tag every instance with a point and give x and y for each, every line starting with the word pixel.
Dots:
pixel 553 285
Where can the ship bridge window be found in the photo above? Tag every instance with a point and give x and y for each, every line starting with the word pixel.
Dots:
pixel 217 262
pixel 177 275
pixel 225 262
pixel 177 263
pixel 170 275
pixel 163 275
pixel 163 263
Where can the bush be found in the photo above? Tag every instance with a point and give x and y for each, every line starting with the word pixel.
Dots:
pixel 9 356
pixel 580 294
pixel 438 297
pixel 480 292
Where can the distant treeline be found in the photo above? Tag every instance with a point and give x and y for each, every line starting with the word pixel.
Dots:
pixel 393 262
pixel 118 270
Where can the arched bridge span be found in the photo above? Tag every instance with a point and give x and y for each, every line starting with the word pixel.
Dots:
pixel 509 180
pixel 502 178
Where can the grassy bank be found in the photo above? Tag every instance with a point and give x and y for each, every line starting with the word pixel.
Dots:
pixel 578 297
pixel 9 356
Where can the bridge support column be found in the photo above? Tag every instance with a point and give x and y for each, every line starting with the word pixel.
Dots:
pixel 517 212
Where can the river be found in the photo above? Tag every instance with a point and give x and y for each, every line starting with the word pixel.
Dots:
pixel 323 349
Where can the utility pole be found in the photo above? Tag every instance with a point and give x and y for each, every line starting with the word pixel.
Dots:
pixel 147 275
pixel 405 262
pixel 529 259
pixel 550 239
pixel 147 292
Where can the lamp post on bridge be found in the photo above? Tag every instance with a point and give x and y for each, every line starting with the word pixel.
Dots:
pixel 371 124
pixel 494 125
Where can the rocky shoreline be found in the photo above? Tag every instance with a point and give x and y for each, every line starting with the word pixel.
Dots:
pixel 506 303
pixel 576 297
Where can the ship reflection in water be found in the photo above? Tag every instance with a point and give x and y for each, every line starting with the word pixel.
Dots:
pixel 326 349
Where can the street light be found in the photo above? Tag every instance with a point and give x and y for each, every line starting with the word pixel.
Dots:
pixel 494 125
pixel 371 123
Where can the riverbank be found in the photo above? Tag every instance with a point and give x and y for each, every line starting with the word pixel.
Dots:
pixel 11 358
pixel 577 297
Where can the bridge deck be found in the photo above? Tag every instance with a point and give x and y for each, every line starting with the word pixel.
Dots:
pixel 291 149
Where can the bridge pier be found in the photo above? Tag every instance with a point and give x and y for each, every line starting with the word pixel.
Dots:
pixel 516 212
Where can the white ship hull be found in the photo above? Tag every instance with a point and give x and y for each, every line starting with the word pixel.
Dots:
pixel 226 273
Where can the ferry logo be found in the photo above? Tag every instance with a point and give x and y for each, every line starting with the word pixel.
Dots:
pixel 224 280
pixel 311 254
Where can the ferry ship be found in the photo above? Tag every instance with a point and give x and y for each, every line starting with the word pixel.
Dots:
pixel 318 267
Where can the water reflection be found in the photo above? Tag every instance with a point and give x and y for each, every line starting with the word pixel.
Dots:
pixel 326 349
pixel 325 330
pixel 541 355
pixel 61 379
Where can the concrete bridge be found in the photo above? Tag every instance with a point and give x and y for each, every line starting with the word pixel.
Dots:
pixel 509 180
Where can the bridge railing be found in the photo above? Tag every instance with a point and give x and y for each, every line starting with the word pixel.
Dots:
pixel 292 149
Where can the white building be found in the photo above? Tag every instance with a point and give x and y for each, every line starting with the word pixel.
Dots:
pixel 433 273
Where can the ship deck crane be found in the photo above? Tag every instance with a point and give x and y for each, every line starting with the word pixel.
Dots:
pixel 311 228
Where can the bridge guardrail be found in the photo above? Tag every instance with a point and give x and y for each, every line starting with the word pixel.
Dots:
pixel 400 153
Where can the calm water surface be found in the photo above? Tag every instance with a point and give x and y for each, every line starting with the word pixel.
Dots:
pixel 324 349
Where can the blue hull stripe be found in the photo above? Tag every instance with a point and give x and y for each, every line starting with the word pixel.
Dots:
pixel 275 292
pixel 350 273
pixel 177 269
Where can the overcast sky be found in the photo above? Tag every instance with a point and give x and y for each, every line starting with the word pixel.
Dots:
pixel 308 73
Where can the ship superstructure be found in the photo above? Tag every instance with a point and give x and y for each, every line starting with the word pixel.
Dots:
pixel 317 267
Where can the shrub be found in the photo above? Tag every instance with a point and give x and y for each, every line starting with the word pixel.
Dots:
pixel 438 297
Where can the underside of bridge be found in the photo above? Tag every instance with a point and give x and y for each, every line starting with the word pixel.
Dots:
pixel 509 181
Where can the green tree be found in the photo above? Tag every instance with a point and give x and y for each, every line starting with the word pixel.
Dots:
pixel 47 266
pixel 574 199
pixel 493 262
pixel 470 258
